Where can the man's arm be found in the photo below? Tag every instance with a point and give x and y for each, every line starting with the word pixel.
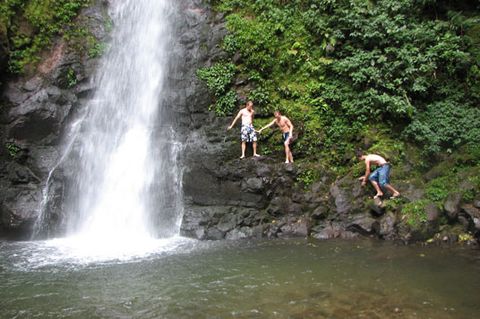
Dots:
pixel 267 126
pixel 290 126
pixel 367 172
pixel 235 120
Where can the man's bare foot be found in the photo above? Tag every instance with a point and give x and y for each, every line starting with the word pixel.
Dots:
pixel 395 195
pixel 242 157
pixel 378 195
pixel 287 162
pixel 256 155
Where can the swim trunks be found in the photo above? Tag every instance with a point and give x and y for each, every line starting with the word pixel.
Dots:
pixel 381 175
pixel 286 136
pixel 248 134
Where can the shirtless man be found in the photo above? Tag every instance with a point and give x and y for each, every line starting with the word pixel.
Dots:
pixel 287 133
pixel 247 132
pixel 380 178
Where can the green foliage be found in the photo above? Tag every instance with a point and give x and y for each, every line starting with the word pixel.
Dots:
pixel 414 212
pixel 438 189
pixel 225 104
pixel 96 48
pixel 71 78
pixel 446 125
pixel 13 149
pixel 218 79
pixel 308 176
pixel 340 68
pixel 32 24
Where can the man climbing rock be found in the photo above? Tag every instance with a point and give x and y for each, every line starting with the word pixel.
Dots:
pixel 286 127
pixel 247 132
pixel 380 178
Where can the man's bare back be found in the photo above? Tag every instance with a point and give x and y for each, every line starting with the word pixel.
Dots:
pixel 375 159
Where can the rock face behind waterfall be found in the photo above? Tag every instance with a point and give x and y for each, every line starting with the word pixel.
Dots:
pixel 35 110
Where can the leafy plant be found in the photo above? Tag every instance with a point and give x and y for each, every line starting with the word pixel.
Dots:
pixel 13 149
pixel 414 212
pixel 438 189
pixel 218 79
pixel 71 78
pixel 340 68
pixel 32 24
pixel 225 105
pixel 308 176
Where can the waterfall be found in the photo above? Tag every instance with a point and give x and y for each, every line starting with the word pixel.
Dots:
pixel 124 183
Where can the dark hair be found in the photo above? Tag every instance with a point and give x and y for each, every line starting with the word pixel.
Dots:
pixel 359 153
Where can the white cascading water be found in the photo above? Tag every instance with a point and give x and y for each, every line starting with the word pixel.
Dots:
pixel 111 200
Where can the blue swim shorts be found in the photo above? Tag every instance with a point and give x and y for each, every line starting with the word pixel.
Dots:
pixel 381 175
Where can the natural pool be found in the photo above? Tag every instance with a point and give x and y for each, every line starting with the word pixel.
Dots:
pixel 183 278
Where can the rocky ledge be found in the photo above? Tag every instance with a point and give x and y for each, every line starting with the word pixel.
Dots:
pixel 263 198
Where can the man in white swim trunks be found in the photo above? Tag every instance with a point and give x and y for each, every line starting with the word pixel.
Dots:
pixel 247 132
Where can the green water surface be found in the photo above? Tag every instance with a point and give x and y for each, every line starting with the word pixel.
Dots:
pixel 245 279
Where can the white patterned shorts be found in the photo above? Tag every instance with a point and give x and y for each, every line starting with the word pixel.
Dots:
pixel 248 134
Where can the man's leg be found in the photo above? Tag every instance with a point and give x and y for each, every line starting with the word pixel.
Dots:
pixel 374 179
pixel 244 147
pixel 255 149
pixel 384 180
pixel 392 190
pixel 289 153
pixel 287 150
pixel 377 188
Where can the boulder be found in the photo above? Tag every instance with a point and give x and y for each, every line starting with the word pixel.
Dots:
pixel 472 214
pixel 348 195
pixel 364 225
pixel 452 205
pixel 433 212
pixel 387 226
pixel 331 230
pixel 293 227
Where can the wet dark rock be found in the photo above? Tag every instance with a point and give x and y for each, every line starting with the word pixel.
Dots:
pixel 293 227
pixel 476 203
pixel 452 205
pixel 472 215
pixel 387 226
pixel 364 225
pixel 320 212
pixel 433 212
pixel 332 230
pixel 245 232
pixel 348 195
pixel 412 192
pixel 377 209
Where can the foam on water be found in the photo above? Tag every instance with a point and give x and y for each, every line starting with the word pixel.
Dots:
pixel 77 251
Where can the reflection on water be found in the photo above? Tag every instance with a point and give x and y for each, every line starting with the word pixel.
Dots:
pixel 274 279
